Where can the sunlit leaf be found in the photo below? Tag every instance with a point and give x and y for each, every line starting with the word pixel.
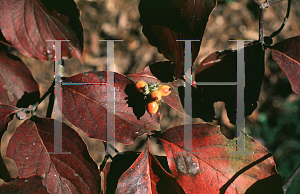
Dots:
pixel 212 165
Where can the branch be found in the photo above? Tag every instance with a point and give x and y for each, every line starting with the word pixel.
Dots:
pixel 50 105
pixel 284 20
pixel 290 180
pixel 261 7
pixel 32 108
pixel 261 26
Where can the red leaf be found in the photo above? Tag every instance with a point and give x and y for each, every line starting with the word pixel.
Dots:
pixel 286 54
pixel 172 99
pixel 211 166
pixel 16 82
pixel 166 21
pixel 85 106
pixel 32 185
pixel 146 175
pixel 64 173
pixel 27 25
pixel 5 112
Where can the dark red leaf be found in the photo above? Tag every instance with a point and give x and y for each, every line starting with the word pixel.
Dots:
pixel 287 54
pixel 166 21
pixel 146 175
pixel 30 185
pixel 27 25
pixel 221 66
pixel 172 99
pixel 213 166
pixel 16 82
pixel 114 169
pixel 64 173
pixel 85 106
pixel 5 112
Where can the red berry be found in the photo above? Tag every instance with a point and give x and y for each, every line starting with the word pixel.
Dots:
pixel 165 90
pixel 152 107
pixel 140 85
pixel 155 96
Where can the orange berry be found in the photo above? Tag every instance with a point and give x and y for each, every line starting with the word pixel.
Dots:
pixel 155 96
pixel 140 85
pixel 165 90
pixel 152 107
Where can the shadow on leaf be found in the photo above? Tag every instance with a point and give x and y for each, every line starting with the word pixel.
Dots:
pixel 118 166
pixel 28 99
pixel 135 100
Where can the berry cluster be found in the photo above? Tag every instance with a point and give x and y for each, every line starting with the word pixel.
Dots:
pixel 154 92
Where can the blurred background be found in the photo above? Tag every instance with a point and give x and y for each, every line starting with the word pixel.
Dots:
pixel 276 121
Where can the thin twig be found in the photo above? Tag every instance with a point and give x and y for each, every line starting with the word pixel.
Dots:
pixel 261 7
pixel 261 26
pixel 50 105
pixel 32 108
pixel 290 180
pixel 284 20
